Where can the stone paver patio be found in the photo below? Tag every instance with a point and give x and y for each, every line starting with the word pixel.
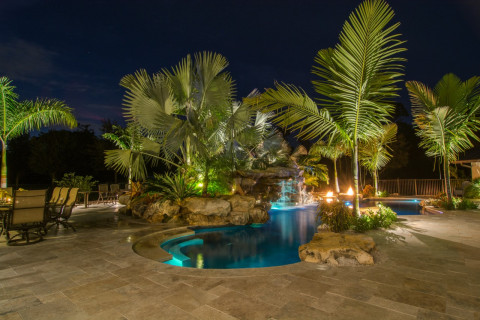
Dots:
pixel 428 267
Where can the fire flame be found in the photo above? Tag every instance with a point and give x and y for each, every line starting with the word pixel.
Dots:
pixel 350 191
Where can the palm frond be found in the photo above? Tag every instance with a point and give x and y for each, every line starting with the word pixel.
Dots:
pixel 33 115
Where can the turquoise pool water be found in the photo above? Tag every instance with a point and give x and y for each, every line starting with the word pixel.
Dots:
pixel 271 244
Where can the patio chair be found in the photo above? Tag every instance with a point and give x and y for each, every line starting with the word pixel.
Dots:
pixel 28 212
pixel 102 192
pixel 459 191
pixel 62 214
pixel 57 200
pixel 55 195
pixel 114 191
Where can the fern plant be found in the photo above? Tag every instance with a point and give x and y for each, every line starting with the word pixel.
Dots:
pixel 175 187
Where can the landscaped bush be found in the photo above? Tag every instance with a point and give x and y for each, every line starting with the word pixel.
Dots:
pixel 70 180
pixel 454 204
pixel 473 190
pixel 368 191
pixel 370 219
pixel 383 194
pixel 336 216
pixel 175 187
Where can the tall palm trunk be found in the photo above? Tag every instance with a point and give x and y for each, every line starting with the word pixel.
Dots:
pixel 337 188
pixel 375 180
pixel 4 165
pixel 446 172
pixel 356 202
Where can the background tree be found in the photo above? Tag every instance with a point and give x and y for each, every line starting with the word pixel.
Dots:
pixel 133 154
pixel 357 83
pixel 445 118
pixel 17 118
pixel 375 153
pixel 334 149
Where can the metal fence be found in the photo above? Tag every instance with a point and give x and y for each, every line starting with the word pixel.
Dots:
pixel 417 187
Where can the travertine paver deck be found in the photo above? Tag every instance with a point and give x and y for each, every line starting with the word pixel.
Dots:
pixel 428 268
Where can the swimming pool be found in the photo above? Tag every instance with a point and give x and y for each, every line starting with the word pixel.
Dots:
pixel 271 244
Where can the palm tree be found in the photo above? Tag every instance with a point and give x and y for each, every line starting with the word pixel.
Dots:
pixel 183 107
pixel 357 80
pixel 18 118
pixel 134 152
pixel 334 149
pixel 445 118
pixel 374 154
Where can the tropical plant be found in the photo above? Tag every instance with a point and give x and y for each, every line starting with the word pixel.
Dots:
pixel 374 154
pixel 382 218
pixel 473 190
pixel 18 118
pixel 357 82
pixel 368 191
pixel 335 216
pixel 445 118
pixel 175 187
pixel 70 180
pixel 134 153
pixel 334 149
pixel 183 107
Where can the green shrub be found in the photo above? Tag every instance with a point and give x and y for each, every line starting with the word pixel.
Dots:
pixel 466 205
pixel 383 194
pixel 336 216
pixel 175 187
pixel 473 190
pixel 368 191
pixel 369 220
pixel 70 180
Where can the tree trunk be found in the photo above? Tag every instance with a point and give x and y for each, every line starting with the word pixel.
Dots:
pixel 205 180
pixel 187 148
pixel 446 170
pixel 375 181
pixel 335 173
pixel 4 165
pixel 356 200
pixel 130 178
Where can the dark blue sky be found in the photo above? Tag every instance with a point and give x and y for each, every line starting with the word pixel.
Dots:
pixel 77 51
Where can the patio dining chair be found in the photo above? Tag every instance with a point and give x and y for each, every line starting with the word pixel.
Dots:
pixel 114 191
pixel 102 192
pixel 63 213
pixel 28 213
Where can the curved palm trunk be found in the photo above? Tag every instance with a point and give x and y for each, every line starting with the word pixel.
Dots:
pixel 446 172
pixel 356 200
pixel 337 188
pixel 4 165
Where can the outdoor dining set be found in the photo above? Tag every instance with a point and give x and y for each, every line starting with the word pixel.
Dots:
pixel 27 215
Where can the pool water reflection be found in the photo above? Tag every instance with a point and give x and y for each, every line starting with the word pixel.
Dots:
pixel 271 244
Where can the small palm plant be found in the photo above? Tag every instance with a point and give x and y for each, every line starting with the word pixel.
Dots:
pixel 175 187
pixel 445 118
pixel 374 154
pixel 17 118
pixel 334 149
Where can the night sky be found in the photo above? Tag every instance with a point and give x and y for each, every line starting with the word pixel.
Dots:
pixel 77 51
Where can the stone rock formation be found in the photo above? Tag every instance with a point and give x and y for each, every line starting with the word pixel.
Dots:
pixel 229 210
pixel 338 249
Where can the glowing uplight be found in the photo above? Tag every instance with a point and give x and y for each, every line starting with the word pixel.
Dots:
pixel 200 184
pixel 329 200
pixel 350 191
pixel 329 194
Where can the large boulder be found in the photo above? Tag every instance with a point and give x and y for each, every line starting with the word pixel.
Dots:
pixel 161 211
pixel 338 249
pixel 206 206
pixel 241 203
pixel 258 215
